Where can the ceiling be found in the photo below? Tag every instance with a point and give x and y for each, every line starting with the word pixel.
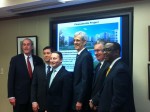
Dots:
pixel 9 8
pixel 18 8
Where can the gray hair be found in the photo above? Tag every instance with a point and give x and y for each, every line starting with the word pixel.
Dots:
pixel 100 42
pixel 82 34
pixel 29 40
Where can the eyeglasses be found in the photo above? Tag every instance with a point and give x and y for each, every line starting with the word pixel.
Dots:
pixel 98 50
pixel 108 49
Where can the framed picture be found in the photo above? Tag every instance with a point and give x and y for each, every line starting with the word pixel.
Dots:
pixel 149 81
pixel 19 44
pixel 149 42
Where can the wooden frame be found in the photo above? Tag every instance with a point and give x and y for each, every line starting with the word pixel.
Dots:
pixel 148 81
pixel 19 42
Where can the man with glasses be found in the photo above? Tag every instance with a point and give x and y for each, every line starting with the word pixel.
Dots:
pixel 117 92
pixel 100 71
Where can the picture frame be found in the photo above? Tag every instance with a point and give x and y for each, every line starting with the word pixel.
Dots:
pixel 149 42
pixel 33 39
pixel 148 80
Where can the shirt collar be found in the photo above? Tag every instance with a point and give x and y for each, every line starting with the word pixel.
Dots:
pixel 58 68
pixel 81 51
pixel 112 64
pixel 30 56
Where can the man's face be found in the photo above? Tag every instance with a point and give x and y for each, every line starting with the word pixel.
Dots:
pixel 47 55
pixel 109 52
pixel 98 48
pixel 27 47
pixel 55 60
pixel 79 43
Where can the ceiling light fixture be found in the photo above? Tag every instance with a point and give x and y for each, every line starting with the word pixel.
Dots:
pixel 64 1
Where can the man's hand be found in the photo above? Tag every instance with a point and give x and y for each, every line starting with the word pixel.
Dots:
pixel 92 106
pixel 12 101
pixel 35 106
pixel 78 106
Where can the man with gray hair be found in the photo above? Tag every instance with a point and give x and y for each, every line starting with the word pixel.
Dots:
pixel 20 77
pixel 83 72
pixel 99 72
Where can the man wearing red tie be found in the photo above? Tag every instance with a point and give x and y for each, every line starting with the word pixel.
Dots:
pixel 20 77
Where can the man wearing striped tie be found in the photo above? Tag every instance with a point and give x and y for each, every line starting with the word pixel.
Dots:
pixel 117 92
pixel 99 73
pixel 40 80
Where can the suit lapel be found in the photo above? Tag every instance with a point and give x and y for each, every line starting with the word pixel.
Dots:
pixel 111 70
pixel 80 57
pixel 101 73
pixel 23 62
pixel 34 60
pixel 42 70
pixel 96 73
pixel 56 78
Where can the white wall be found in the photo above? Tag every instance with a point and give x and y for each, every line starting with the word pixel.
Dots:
pixel 39 26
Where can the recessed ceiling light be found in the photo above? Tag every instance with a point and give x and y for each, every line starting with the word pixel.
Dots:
pixel 63 1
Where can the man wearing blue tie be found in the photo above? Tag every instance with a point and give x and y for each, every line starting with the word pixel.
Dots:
pixel 59 94
pixel 40 80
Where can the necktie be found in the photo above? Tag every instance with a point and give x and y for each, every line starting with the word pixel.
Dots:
pixel 29 67
pixel 107 71
pixel 97 71
pixel 52 77
pixel 48 69
pixel 77 56
pixel 99 66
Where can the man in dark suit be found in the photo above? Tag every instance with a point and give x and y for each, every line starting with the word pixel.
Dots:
pixel 117 92
pixel 59 94
pixel 100 72
pixel 20 77
pixel 39 82
pixel 83 73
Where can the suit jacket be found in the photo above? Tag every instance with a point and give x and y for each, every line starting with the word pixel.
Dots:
pixel 117 93
pixel 82 84
pixel 99 79
pixel 19 82
pixel 39 86
pixel 59 94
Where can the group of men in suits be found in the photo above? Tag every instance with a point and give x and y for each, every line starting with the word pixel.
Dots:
pixel 107 88
pixel 51 91
pixel 116 94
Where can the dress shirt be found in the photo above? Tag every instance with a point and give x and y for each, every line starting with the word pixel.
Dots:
pixel 112 64
pixel 102 62
pixel 80 51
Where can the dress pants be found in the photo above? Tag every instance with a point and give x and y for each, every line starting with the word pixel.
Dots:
pixel 23 107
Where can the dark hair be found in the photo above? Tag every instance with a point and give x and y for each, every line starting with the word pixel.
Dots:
pixel 59 53
pixel 48 47
pixel 116 46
